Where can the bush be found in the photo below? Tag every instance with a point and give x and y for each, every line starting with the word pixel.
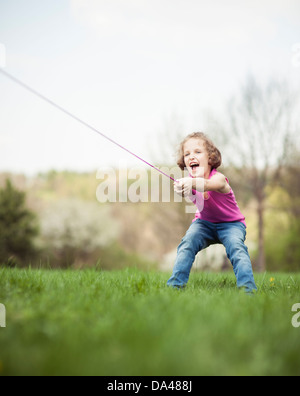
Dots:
pixel 282 244
pixel 73 230
pixel 18 226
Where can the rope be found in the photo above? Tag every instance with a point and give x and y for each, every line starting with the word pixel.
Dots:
pixel 44 98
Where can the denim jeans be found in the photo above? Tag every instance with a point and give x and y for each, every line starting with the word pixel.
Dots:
pixel 202 234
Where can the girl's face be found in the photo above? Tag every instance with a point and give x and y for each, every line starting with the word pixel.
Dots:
pixel 196 158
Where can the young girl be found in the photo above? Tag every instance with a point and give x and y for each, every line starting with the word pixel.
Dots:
pixel 218 219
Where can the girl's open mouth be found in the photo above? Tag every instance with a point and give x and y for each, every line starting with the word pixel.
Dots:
pixel 195 166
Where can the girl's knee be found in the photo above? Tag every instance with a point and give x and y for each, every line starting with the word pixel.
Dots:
pixel 237 250
pixel 191 241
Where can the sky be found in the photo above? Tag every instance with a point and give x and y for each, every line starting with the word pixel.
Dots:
pixel 130 68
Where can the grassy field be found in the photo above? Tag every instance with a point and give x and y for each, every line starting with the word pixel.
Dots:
pixel 129 323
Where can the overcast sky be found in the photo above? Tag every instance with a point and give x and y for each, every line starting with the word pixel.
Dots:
pixel 127 67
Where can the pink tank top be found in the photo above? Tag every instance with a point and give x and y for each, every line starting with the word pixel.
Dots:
pixel 218 207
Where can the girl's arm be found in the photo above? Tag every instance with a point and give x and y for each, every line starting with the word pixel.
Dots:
pixel 217 183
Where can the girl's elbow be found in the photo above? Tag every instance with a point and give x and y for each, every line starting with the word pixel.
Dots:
pixel 225 188
pixel 224 182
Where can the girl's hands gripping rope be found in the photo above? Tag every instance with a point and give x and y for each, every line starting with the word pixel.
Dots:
pixel 184 187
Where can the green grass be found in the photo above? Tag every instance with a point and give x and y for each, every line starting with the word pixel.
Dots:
pixel 129 323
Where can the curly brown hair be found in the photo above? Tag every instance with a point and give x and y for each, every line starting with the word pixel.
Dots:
pixel 214 155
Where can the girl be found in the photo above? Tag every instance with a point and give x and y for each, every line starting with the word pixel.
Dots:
pixel 218 219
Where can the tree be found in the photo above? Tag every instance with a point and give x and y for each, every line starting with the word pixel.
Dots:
pixel 261 134
pixel 18 225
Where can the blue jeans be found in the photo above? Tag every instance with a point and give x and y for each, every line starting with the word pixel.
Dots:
pixel 202 234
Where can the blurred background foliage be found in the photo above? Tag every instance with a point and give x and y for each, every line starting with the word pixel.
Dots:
pixel 54 219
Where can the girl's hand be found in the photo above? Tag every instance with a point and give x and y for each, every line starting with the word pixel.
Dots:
pixel 184 187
